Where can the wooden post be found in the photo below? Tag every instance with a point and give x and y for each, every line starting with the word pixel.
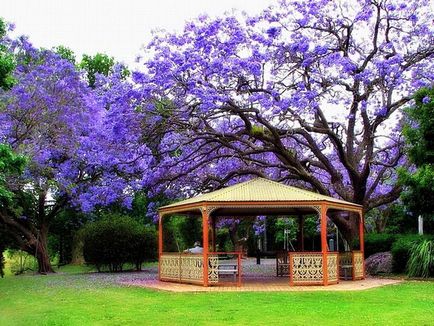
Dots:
pixel 361 232
pixel 160 242
pixel 324 242
pixel 362 239
pixel 205 231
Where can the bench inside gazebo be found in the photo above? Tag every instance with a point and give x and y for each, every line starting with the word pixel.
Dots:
pixel 253 198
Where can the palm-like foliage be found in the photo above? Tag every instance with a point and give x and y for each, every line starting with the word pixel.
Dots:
pixel 421 262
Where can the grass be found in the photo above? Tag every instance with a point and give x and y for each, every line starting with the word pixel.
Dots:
pixel 75 298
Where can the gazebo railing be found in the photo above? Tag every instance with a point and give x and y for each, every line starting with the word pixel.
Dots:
pixel 353 260
pixel 307 268
pixel 333 267
pixel 358 265
pixel 181 267
pixel 224 268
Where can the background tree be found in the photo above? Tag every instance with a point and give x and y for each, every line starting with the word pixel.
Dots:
pixel 64 232
pixel 419 133
pixel 79 153
pixel 7 62
pixel 2 259
pixel 307 93
pixel 11 166
pixel 65 53
pixel 393 219
pixel 97 64
pixel 35 112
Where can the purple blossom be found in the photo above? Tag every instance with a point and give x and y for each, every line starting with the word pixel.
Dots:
pixel 413 18
pixel 223 100
pixel 273 32
pixel 226 76
pixel 11 27
pixel 259 225
pixel 76 146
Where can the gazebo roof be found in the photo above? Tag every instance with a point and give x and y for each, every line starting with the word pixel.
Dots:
pixel 259 190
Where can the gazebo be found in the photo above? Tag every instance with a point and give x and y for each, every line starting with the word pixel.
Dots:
pixel 252 198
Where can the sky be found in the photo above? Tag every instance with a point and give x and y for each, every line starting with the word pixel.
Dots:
pixel 116 27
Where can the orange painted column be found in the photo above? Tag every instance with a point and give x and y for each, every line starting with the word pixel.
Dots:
pixel 361 232
pixel 205 234
pixel 160 242
pixel 362 238
pixel 324 249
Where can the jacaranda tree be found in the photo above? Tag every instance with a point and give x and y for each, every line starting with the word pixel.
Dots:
pixel 307 93
pixel 81 143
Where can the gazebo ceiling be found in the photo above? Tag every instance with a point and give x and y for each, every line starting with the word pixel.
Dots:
pixel 258 190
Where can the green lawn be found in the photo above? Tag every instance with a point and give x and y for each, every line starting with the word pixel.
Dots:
pixel 81 299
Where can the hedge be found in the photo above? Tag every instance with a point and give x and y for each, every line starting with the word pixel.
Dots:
pixel 378 242
pixel 116 240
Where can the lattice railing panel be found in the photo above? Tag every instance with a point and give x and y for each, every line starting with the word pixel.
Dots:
pixel 332 267
pixel 306 268
pixel 213 269
pixel 188 268
pixel 358 264
pixel 170 267
pixel 192 268
pixel 181 267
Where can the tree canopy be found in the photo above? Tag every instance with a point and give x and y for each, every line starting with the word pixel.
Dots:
pixel 97 64
pixel 419 132
pixel 7 63
pixel 81 143
pixel 307 93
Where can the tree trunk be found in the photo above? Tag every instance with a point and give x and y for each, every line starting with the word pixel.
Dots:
pixel 348 227
pixel 2 263
pixel 44 265
pixel 233 235
pixel 41 254
pixel 62 259
pixel 77 249
pixel 33 240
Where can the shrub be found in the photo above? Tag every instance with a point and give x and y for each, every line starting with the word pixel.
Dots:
pixel 421 262
pixel 3 245
pixel 20 261
pixel 378 242
pixel 401 251
pixel 115 241
pixel 146 247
